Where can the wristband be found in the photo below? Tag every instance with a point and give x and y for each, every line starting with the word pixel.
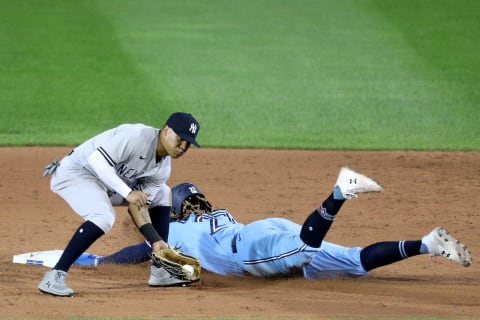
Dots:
pixel 150 233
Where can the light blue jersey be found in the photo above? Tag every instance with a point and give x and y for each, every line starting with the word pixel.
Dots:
pixel 264 248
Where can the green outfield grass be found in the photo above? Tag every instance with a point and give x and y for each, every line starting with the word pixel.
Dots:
pixel 348 74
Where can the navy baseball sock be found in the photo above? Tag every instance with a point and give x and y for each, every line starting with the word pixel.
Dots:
pixel 81 240
pixel 133 254
pixel 160 217
pixel 319 221
pixel 384 253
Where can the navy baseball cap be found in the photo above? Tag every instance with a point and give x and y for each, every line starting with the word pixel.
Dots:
pixel 185 126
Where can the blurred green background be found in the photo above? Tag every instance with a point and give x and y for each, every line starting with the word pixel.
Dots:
pixel 346 74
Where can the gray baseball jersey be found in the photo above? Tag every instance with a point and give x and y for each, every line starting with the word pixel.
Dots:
pixel 131 150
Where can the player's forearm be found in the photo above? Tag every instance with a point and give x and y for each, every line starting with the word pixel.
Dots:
pixel 107 174
pixel 141 218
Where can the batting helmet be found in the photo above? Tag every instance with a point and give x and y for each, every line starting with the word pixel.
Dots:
pixel 186 199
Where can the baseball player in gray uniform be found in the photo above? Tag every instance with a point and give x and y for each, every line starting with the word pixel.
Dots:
pixel 276 246
pixel 126 165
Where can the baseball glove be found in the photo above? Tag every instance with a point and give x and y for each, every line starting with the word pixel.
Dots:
pixel 178 264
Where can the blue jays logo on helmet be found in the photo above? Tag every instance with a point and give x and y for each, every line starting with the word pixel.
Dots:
pixel 182 191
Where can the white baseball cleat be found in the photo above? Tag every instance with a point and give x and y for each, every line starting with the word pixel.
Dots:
pixel 352 183
pixel 54 283
pixel 440 243
pixel 159 277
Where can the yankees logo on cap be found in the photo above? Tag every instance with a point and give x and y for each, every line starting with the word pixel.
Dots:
pixel 185 126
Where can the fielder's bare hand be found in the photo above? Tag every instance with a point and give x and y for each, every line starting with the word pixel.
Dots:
pixel 138 198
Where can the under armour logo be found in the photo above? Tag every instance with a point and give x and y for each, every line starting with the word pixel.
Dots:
pixel 193 128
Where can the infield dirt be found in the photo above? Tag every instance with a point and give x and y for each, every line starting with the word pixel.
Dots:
pixel 422 190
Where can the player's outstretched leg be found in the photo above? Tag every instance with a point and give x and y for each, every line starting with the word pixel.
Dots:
pixel 129 255
pixel 437 243
pixel 440 243
pixel 349 184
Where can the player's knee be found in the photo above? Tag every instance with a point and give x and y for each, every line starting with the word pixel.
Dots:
pixel 104 222
pixel 313 231
pixel 310 238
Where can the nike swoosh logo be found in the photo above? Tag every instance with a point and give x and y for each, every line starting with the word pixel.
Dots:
pixel 143 158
